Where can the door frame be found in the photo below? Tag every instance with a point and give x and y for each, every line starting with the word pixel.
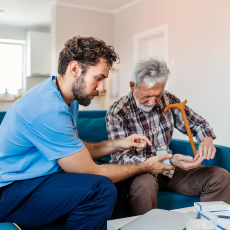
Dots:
pixel 149 33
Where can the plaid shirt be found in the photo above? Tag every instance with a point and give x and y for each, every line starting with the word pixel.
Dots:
pixel 124 118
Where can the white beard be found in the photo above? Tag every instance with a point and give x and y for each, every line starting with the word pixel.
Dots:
pixel 144 107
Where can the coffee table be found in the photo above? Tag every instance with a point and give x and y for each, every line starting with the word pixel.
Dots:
pixel 118 223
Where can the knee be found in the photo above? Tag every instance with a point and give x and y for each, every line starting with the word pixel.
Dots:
pixel 108 190
pixel 220 175
pixel 144 184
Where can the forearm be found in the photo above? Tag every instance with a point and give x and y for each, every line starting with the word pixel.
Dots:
pixel 120 172
pixel 102 149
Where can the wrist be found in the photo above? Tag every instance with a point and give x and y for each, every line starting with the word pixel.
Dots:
pixel 207 139
pixel 117 145
pixel 173 160
pixel 145 166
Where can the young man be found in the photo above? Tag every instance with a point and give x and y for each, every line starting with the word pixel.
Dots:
pixel 38 139
pixel 141 111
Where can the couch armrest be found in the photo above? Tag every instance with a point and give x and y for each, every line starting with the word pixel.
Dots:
pixel 225 157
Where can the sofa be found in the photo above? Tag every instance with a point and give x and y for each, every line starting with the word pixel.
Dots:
pixel 92 127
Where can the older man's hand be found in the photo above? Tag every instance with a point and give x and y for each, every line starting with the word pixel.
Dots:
pixel 186 162
pixel 206 148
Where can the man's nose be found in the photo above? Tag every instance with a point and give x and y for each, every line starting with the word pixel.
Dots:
pixel 152 101
pixel 100 86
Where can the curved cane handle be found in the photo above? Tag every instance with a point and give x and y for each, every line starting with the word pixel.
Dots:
pixel 181 106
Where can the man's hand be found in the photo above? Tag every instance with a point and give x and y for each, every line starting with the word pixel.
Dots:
pixel 186 162
pixel 135 140
pixel 155 166
pixel 206 148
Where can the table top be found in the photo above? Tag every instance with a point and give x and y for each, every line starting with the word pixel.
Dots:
pixel 118 223
pixel 184 210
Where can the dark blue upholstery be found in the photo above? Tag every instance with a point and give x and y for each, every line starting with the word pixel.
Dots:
pixel 92 127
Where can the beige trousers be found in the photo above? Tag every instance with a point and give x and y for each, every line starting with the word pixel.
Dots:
pixel 211 183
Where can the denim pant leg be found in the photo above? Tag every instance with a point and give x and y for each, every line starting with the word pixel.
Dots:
pixel 86 200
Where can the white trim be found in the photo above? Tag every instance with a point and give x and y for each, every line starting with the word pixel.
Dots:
pixel 19 42
pixel 85 7
pixel 95 8
pixel 12 41
pixel 148 33
pixel 126 6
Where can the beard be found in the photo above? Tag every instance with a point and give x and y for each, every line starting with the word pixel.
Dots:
pixel 79 91
pixel 144 107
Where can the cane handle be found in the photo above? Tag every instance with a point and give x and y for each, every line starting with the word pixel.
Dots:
pixel 181 106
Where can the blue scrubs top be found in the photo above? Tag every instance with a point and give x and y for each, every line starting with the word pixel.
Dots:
pixel 37 129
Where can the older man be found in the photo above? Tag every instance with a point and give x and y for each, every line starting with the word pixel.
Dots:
pixel 141 111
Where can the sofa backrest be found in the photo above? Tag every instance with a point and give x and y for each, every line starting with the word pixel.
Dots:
pixel 91 125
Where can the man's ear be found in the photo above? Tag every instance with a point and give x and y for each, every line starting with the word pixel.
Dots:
pixel 74 68
pixel 132 86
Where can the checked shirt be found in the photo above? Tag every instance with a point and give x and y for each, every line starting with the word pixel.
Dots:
pixel 124 118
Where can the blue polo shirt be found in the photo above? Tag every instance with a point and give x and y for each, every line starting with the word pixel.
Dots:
pixel 37 129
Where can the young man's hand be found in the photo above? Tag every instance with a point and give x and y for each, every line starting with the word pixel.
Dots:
pixel 155 166
pixel 135 140
pixel 206 148
pixel 186 162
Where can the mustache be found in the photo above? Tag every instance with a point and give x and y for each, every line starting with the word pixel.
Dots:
pixel 94 94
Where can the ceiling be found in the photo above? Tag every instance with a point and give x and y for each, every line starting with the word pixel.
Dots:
pixel 38 12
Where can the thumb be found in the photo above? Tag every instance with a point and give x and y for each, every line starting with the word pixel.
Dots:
pixel 163 157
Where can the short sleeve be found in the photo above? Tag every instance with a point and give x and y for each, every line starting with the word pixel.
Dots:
pixel 53 134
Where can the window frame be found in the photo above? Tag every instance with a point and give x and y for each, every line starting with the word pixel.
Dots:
pixel 23 44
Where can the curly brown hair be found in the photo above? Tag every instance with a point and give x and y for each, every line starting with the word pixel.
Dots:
pixel 86 51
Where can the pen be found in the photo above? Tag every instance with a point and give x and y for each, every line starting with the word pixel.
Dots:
pixel 224 217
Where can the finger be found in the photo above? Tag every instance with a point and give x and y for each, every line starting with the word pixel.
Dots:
pixel 163 157
pixel 213 152
pixel 167 167
pixel 140 141
pixel 140 149
pixel 194 164
pixel 138 145
pixel 209 153
pixel 161 167
pixel 196 157
pixel 205 151
pixel 200 149
pixel 141 137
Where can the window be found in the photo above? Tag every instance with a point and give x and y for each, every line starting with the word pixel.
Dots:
pixel 11 66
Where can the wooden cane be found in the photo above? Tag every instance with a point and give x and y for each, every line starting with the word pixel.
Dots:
pixel 181 106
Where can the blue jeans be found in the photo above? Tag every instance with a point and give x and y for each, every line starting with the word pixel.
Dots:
pixel 86 201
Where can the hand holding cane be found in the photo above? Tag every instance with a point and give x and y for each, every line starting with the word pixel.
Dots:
pixel 181 106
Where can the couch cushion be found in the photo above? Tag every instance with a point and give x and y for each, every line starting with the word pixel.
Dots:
pixel 8 226
pixel 171 200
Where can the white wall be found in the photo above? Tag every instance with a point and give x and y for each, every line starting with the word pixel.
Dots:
pixel 199 44
pixel 68 22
